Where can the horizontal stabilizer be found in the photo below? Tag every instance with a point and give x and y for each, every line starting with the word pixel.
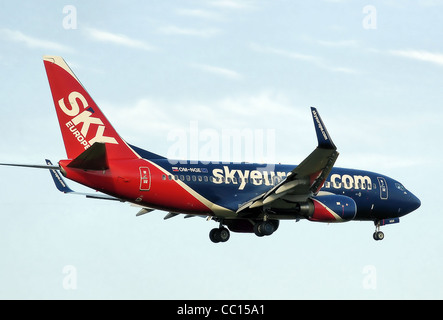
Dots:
pixel 93 158
pixel 39 166
pixel 62 186
pixel 58 180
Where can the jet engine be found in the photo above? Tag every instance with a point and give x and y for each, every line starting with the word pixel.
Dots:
pixel 329 208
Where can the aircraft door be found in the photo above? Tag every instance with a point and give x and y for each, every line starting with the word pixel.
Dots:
pixel 145 179
pixel 383 188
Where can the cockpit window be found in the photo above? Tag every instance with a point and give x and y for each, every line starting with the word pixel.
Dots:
pixel 400 186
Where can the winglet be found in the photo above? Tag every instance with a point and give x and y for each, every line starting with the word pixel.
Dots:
pixel 323 137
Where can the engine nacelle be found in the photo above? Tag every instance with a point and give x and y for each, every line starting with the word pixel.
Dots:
pixel 329 208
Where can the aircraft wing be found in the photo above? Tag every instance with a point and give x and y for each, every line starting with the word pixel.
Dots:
pixel 308 177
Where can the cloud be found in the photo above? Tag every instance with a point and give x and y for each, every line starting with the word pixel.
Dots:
pixel 224 72
pixel 159 119
pixel 232 4
pixel 32 42
pixel 118 39
pixel 315 60
pixel 174 30
pixel 430 3
pixel 341 69
pixel 339 43
pixel 165 115
pixel 383 162
pixel 199 13
pixel 285 53
pixel 435 58
pixel 335 1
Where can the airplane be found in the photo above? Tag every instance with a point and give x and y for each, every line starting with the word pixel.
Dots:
pixel 240 197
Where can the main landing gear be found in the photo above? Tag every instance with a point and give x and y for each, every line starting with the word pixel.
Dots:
pixel 265 228
pixel 261 228
pixel 221 234
pixel 378 235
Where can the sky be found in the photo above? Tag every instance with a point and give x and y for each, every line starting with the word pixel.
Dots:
pixel 180 77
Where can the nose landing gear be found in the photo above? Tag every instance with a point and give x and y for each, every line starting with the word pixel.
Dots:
pixel 378 235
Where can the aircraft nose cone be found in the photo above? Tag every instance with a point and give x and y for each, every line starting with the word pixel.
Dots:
pixel 413 203
pixel 416 203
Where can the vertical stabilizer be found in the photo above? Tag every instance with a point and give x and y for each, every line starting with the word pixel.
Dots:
pixel 81 121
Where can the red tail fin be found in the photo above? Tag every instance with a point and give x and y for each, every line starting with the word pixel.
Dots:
pixel 81 121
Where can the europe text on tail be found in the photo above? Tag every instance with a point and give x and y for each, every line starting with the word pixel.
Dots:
pixel 240 197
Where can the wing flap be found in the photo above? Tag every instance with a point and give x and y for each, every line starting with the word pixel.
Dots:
pixel 288 186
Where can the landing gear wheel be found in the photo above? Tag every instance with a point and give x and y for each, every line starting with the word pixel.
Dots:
pixel 223 234
pixel 213 235
pixel 257 231
pixel 219 235
pixel 265 228
pixel 378 235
